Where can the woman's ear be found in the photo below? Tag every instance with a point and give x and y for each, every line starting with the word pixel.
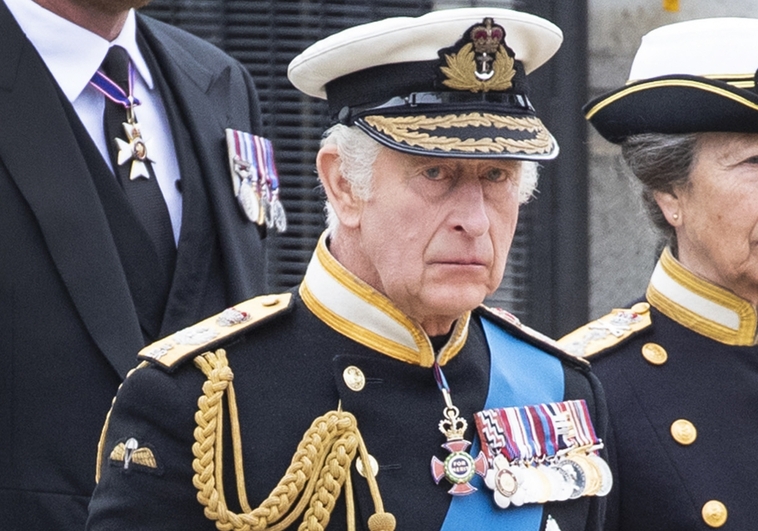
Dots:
pixel 670 205
pixel 347 207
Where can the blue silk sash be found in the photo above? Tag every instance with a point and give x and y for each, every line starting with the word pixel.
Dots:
pixel 520 375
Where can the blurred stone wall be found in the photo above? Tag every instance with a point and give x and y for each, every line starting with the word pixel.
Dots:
pixel 622 242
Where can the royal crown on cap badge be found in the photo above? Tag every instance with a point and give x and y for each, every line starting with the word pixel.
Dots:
pixel 482 63
pixel 486 39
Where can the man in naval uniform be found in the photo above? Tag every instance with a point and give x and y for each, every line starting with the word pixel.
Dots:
pixel 380 393
pixel 83 286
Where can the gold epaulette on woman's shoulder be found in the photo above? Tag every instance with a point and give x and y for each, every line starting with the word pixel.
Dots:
pixel 209 333
pixel 609 330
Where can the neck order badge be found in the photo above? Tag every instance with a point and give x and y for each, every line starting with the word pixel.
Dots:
pixel 115 80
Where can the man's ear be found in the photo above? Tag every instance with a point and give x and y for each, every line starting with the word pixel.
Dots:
pixel 338 190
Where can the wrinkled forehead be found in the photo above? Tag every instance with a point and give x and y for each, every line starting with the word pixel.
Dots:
pixel 727 147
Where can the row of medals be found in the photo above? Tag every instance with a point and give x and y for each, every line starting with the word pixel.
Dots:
pixel 577 473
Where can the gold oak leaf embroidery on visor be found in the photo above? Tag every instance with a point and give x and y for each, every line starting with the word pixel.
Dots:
pixel 407 129
pixel 461 71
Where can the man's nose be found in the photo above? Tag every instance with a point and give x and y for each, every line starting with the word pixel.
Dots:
pixel 470 213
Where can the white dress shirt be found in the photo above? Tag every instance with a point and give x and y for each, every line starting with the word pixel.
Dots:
pixel 73 55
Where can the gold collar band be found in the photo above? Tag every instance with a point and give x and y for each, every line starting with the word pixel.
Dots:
pixel 700 305
pixel 358 311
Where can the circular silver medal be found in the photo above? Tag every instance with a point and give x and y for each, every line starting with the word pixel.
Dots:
pixel 606 477
pixel 564 486
pixel 505 482
pixel 248 200
pixel 519 497
pixel 531 485
pixel 554 479
pixel 542 485
pixel 266 206
pixel 280 217
pixel 576 476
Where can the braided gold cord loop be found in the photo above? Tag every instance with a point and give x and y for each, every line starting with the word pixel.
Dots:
pixel 332 477
pixel 319 468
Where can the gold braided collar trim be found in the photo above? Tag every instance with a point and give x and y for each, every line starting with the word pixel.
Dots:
pixel 700 305
pixel 414 131
pixel 356 310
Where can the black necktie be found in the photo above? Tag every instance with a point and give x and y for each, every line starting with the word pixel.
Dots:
pixel 143 192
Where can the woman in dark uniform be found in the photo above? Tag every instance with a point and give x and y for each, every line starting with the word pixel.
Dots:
pixel 680 367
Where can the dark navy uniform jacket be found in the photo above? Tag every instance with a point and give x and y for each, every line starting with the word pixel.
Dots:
pixel 300 359
pixel 680 372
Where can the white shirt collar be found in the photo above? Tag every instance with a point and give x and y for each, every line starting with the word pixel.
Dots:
pixel 73 54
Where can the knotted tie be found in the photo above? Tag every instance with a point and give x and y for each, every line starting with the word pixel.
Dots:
pixel 130 160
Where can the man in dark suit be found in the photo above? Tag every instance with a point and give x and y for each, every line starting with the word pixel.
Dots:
pixel 83 285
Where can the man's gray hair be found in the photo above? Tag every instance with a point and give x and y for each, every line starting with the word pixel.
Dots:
pixel 660 162
pixel 358 152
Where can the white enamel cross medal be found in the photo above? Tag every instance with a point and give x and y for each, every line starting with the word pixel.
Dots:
pixel 134 150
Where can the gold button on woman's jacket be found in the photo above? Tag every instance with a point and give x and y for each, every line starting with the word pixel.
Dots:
pixel 683 431
pixel 654 353
pixel 714 513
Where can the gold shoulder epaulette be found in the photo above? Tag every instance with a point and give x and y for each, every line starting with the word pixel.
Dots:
pixel 203 336
pixel 607 331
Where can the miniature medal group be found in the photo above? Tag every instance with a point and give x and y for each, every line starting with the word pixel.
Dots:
pixel 531 454
pixel 255 179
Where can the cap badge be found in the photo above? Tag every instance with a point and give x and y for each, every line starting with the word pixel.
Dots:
pixel 482 63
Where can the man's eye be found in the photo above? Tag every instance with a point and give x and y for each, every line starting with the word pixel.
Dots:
pixel 433 173
pixel 496 175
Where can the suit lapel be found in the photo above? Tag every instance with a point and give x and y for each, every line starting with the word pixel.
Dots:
pixel 38 148
pixel 202 98
pixel 197 290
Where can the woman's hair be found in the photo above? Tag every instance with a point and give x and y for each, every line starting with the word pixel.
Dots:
pixel 358 152
pixel 661 162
